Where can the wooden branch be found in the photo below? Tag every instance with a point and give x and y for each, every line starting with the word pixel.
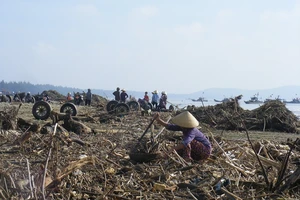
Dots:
pixel 46 164
pixel 245 173
pixel 29 177
pixel 230 195
pixel 263 159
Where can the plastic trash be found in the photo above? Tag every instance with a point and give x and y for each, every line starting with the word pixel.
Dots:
pixel 222 183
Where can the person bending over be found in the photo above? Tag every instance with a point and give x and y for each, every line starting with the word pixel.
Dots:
pixel 195 145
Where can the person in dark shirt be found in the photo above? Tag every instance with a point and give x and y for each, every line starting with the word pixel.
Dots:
pixel 117 94
pixel 195 145
pixel 163 101
pixel 88 98
pixel 78 99
pixel 28 97
pixel 124 96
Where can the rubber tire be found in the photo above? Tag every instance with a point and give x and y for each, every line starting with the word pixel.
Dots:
pixel 9 98
pixel 171 108
pixel 32 99
pixel 69 107
pixel 110 106
pixel 134 105
pixel 41 110
pixel 121 108
pixel 4 98
pixel 150 105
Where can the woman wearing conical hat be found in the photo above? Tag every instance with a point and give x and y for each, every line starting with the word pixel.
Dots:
pixel 195 145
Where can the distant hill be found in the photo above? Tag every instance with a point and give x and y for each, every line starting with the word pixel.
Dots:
pixel 286 92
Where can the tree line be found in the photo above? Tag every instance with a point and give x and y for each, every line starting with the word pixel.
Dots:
pixel 23 86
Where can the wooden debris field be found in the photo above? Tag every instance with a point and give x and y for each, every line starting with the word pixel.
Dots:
pixel 51 162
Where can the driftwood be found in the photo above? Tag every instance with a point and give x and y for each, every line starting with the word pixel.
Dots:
pixel 23 138
pixel 8 117
pixel 25 125
pixel 75 126
pixel 56 117
pixel 69 123
pixel 249 152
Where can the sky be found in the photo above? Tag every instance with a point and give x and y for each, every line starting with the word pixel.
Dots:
pixel 169 45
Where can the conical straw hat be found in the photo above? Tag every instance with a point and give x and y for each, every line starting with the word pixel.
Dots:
pixel 186 120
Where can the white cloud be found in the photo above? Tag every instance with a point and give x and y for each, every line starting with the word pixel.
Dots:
pixel 190 30
pixel 86 9
pixel 44 49
pixel 146 11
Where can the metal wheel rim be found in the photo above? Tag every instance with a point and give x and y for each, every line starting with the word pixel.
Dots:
pixel 68 109
pixel 41 111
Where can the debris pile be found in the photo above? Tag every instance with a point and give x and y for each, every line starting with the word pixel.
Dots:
pixel 8 117
pixel 55 163
pixel 271 116
pixel 53 95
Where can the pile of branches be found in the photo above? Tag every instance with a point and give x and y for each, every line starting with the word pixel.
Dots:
pixel 271 116
pixel 52 166
pixel 53 94
pixel 56 163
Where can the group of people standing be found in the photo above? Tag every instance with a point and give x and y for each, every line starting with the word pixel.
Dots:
pixel 158 103
pixel 120 95
pixel 79 98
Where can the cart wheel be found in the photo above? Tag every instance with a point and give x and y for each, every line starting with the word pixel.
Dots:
pixel 150 105
pixel 134 105
pixel 111 105
pixel 41 110
pixel 32 100
pixel 121 108
pixel 69 108
pixel 4 98
pixel 146 105
pixel 9 98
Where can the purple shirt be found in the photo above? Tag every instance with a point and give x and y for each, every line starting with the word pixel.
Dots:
pixel 190 134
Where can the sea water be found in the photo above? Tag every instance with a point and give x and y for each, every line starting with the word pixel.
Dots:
pixel 295 108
